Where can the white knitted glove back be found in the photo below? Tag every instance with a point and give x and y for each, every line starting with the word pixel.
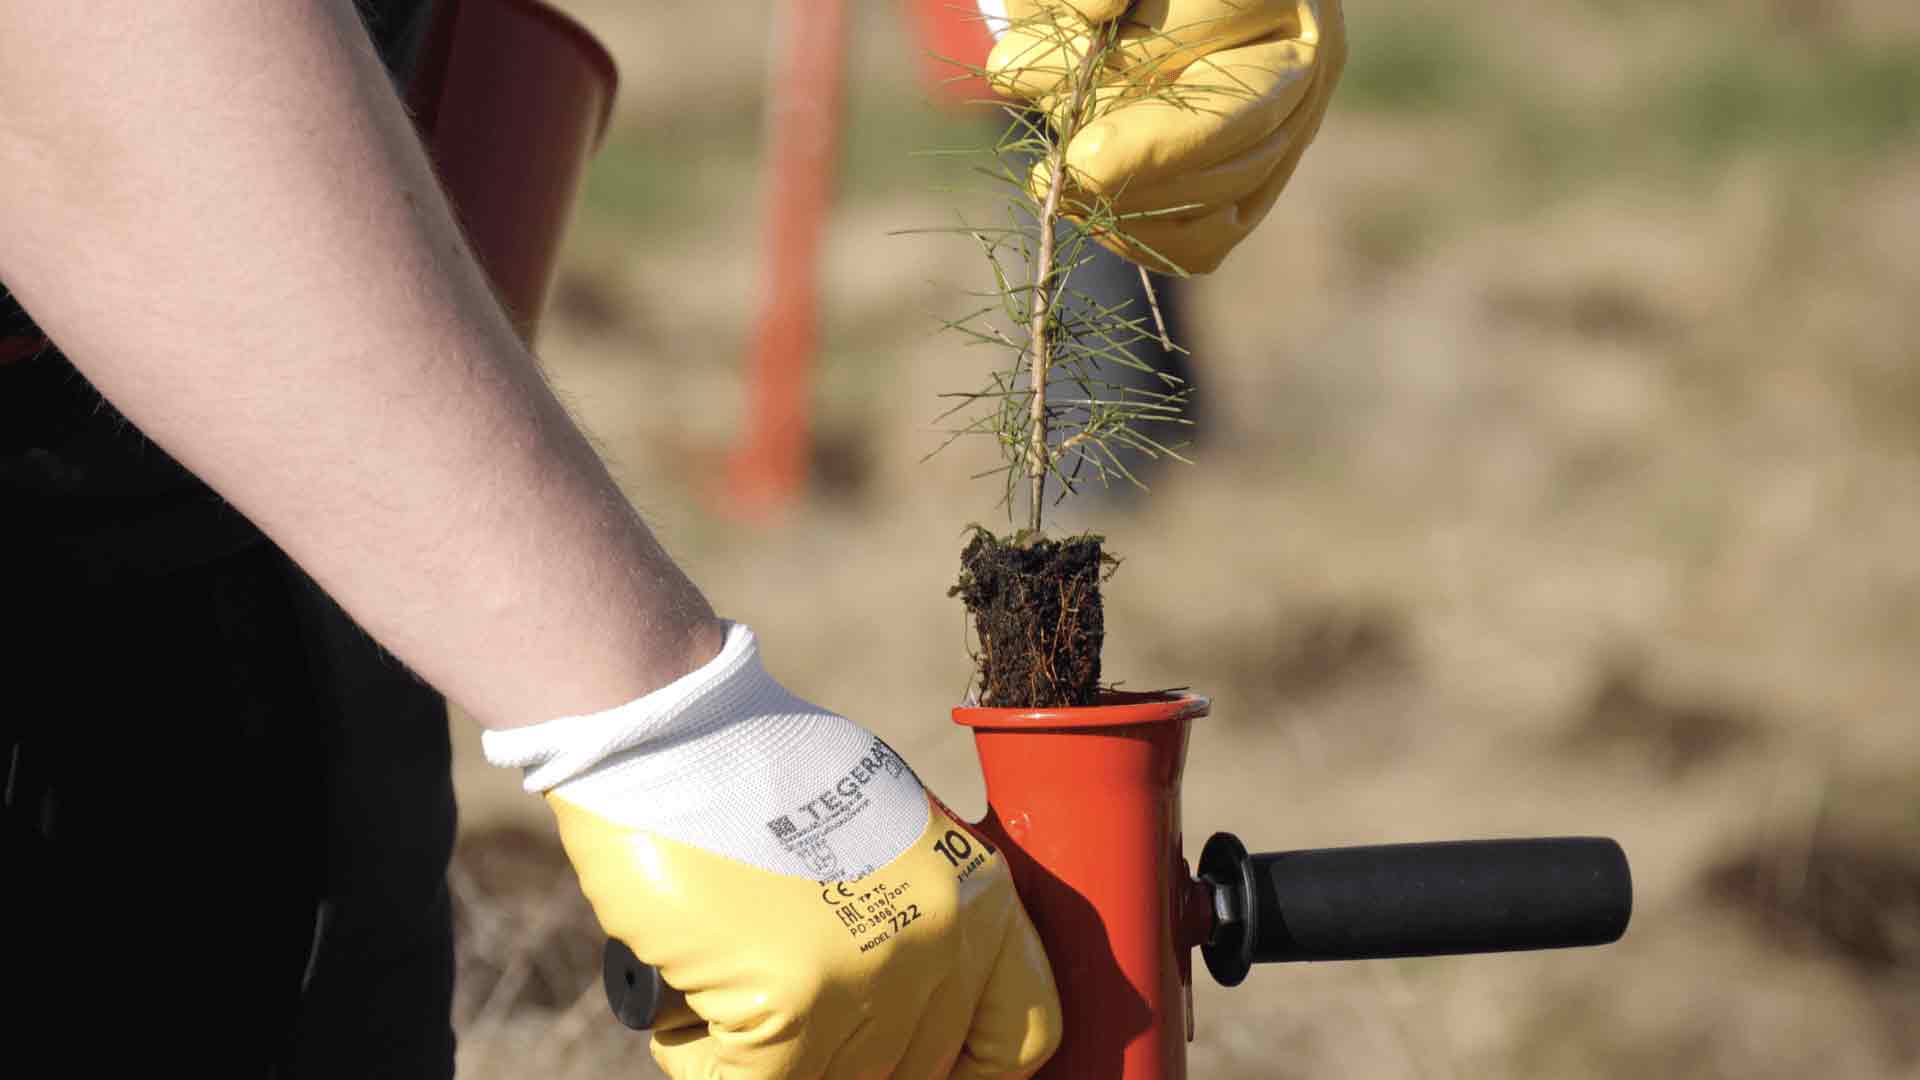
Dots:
pixel 727 760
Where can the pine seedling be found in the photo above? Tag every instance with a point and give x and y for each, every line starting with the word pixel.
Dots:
pixel 1049 404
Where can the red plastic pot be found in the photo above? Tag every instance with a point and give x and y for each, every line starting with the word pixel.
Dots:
pixel 1085 803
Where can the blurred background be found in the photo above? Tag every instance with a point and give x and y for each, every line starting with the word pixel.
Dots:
pixel 1560 474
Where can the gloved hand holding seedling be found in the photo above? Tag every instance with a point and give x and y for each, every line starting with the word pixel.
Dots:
pixel 1178 121
pixel 1162 130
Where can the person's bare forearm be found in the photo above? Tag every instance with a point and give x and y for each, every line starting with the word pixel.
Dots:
pixel 221 214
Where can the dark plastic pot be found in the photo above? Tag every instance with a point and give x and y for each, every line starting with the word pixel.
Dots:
pixel 513 99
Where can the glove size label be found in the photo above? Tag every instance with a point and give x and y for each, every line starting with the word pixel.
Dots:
pixel 959 853
pixel 966 854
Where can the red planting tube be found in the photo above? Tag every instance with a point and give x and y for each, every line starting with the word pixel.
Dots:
pixel 1085 804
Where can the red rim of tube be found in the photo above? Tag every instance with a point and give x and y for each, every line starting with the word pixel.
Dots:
pixel 1117 708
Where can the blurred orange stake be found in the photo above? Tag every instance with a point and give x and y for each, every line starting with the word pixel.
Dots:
pixel 768 474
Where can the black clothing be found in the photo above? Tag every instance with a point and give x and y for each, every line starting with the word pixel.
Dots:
pixel 228 821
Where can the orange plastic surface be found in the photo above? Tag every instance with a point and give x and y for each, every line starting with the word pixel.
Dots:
pixel 513 99
pixel 804 120
pixel 954 40
pixel 1086 804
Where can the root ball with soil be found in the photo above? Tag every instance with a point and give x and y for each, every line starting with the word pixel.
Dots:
pixel 1037 615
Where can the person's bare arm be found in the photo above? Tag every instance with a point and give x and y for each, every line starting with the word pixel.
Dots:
pixel 221 213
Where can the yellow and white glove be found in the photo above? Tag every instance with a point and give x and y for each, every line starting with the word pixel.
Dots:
pixel 823 914
pixel 1203 113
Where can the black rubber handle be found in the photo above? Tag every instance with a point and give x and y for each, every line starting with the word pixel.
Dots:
pixel 635 991
pixel 1466 896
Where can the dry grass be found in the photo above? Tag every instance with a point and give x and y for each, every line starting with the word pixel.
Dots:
pixel 1562 475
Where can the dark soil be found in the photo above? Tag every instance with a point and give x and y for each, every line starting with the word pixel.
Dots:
pixel 1037 613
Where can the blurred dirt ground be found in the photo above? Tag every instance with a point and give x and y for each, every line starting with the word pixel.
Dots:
pixel 1561 475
